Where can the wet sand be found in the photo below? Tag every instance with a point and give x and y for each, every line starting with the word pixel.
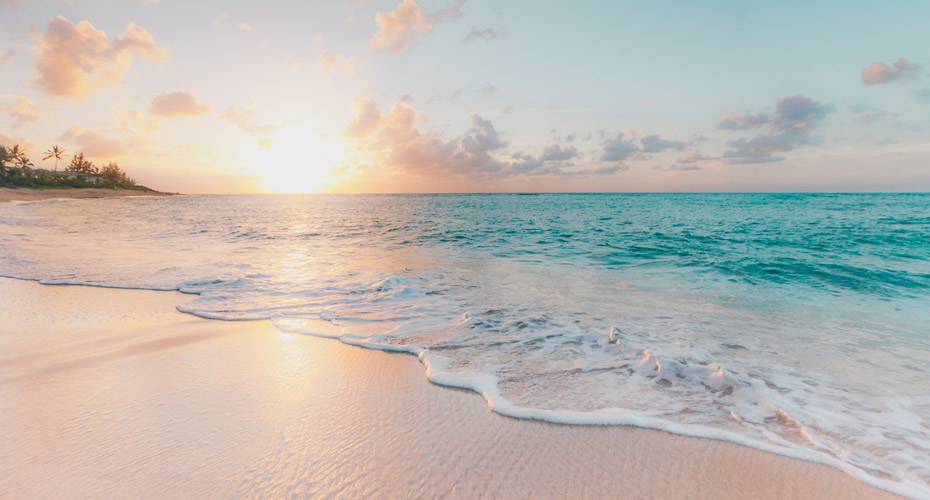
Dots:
pixel 25 194
pixel 114 394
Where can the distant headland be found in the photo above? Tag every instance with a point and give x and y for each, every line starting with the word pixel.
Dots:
pixel 20 180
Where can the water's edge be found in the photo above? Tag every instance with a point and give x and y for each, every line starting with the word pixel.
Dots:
pixel 487 387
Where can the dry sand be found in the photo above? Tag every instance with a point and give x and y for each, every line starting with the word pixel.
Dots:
pixel 25 194
pixel 114 394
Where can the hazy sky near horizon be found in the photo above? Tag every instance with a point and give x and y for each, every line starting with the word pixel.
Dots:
pixel 475 95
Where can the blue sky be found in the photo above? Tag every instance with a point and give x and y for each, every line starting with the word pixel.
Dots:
pixel 470 95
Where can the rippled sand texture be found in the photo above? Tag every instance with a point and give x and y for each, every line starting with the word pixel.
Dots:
pixel 113 394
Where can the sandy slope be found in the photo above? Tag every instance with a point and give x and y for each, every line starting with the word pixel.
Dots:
pixel 114 394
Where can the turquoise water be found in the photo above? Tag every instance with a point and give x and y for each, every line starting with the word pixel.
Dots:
pixel 798 324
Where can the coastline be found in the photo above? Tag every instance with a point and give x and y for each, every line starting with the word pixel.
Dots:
pixel 26 194
pixel 114 393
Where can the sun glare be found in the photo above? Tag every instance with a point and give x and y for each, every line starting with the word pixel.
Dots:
pixel 298 159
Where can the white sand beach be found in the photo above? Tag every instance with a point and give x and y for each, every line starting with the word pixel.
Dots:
pixel 110 393
pixel 25 194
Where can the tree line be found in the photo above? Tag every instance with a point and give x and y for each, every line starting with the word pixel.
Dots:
pixel 24 173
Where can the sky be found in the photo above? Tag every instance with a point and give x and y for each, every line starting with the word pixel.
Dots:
pixel 372 96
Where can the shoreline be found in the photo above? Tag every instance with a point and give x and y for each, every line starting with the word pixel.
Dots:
pixel 27 194
pixel 112 357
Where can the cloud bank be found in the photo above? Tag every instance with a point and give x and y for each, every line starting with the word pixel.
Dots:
pixel 792 125
pixel 397 146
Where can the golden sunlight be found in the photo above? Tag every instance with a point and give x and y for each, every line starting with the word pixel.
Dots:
pixel 298 159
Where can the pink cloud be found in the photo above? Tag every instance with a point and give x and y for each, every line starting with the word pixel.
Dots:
pixel 879 72
pixel 76 61
pixel 22 142
pixel 692 156
pixel 367 119
pixel 20 108
pixel 93 143
pixel 396 29
pixel 178 103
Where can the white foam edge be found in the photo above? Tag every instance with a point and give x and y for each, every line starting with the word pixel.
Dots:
pixel 487 386
pixel 43 281
pixel 47 200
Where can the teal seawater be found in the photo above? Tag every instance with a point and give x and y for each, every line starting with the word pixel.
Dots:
pixel 798 323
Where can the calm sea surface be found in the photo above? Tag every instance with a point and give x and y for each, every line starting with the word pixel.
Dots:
pixel 798 324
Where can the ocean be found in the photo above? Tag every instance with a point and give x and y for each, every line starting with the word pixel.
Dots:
pixel 794 323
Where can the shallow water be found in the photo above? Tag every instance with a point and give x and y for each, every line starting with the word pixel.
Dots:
pixel 794 323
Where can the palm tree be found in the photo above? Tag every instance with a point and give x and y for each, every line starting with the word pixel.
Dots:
pixel 55 153
pixel 4 157
pixel 16 153
pixel 25 166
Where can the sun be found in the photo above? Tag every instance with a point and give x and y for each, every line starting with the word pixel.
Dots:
pixel 298 159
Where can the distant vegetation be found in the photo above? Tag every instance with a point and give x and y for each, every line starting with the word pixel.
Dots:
pixel 17 170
